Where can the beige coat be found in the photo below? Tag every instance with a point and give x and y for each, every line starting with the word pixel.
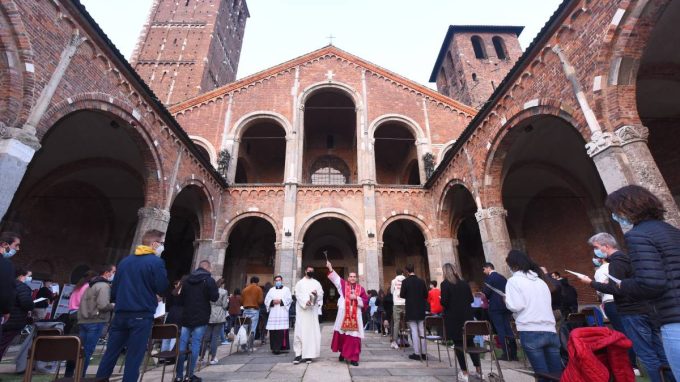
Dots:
pixel 95 306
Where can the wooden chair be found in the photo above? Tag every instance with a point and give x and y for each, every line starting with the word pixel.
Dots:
pixel 480 328
pixel 159 333
pixel 437 323
pixel 56 348
pixel 48 332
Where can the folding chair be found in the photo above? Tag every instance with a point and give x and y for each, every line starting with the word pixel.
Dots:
pixel 436 322
pixel 515 333
pixel 480 328
pixel 57 348
pixel 159 333
pixel 577 319
pixel 48 332
pixel 589 313
pixel 404 332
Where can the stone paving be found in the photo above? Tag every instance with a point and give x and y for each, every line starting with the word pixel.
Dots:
pixel 378 363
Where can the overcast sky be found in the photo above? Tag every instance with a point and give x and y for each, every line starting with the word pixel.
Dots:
pixel 403 36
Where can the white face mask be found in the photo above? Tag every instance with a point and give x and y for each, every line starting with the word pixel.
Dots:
pixel 159 250
pixel 28 279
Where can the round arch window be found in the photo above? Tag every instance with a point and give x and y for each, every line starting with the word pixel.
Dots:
pixel 329 170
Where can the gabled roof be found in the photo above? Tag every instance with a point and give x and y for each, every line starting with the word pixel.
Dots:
pixel 325 51
pixel 453 29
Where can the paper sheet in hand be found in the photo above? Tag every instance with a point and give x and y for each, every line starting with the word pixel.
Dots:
pixel 160 310
pixel 37 300
pixel 576 273
pixel 495 290
pixel 614 279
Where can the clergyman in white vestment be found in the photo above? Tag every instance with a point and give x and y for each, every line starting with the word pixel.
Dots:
pixel 309 298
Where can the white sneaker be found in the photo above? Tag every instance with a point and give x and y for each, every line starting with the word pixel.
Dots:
pixel 394 345
pixel 636 371
pixel 214 361
pixel 462 377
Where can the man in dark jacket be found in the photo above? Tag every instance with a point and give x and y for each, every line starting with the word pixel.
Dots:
pixel 9 245
pixel 414 291
pixel 498 312
pixel 139 279
pixel 569 295
pixel 18 317
pixel 198 290
pixel 638 326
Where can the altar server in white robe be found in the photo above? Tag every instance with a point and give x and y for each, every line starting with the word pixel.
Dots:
pixel 309 298
pixel 278 301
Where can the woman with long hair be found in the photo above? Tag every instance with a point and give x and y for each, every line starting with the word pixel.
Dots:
pixel 654 252
pixel 528 297
pixel 456 301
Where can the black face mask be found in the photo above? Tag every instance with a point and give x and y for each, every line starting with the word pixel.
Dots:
pixel 310 274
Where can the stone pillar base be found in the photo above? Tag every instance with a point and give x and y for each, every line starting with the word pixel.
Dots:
pixel 14 159
pixel 495 237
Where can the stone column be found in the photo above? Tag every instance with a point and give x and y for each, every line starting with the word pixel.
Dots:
pixel 601 220
pixel 232 146
pixel 623 158
pixel 422 147
pixel 381 270
pixel 16 151
pixel 285 262
pixel 369 264
pixel 439 252
pixel 495 237
pixel 220 254
pixel 150 218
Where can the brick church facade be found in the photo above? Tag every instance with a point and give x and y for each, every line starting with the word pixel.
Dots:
pixel 328 154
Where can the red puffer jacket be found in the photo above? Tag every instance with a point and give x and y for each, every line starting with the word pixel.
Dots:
pixel 595 353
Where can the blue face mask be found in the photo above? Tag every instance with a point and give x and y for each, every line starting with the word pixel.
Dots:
pixel 599 253
pixel 279 284
pixel 597 263
pixel 9 253
pixel 623 222
pixel 28 279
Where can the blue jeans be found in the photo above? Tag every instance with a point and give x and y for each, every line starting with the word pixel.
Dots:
pixel 196 335
pixel 613 315
pixel 89 336
pixel 646 342
pixel 670 335
pixel 543 351
pixel 131 332
pixel 254 315
pixel 501 322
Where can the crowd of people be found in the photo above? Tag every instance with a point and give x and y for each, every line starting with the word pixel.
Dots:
pixel 639 291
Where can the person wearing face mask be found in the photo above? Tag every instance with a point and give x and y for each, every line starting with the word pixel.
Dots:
pixel 308 302
pixel 139 279
pixel 18 318
pixel 94 311
pixel 278 302
pixel 629 315
pixel 9 245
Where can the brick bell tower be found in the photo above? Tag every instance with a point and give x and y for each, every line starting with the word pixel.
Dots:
pixel 474 59
pixel 189 47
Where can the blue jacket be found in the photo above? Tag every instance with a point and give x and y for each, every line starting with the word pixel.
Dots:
pixel 496 303
pixel 654 251
pixel 139 278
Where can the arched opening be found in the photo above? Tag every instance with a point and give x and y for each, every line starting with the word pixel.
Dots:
pixel 395 152
pixel 241 172
pixel 329 169
pixel 334 238
pixel 263 147
pixel 185 227
pixel 251 252
pixel 461 207
pixel 499 47
pixel 658 95
pixel 203 150
pixel 78 201
pixel 553 195
pixel 330 131
pixel 478 47
pixel 404 243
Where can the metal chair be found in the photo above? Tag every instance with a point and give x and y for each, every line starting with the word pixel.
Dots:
pixel 56 348
pixel 515 333
pixel 436 322
pixel 577 319
pixel 404 332
pixel 159 333
pixel 480 328
pixel 590 313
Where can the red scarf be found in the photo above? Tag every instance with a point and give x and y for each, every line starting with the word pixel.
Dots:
pixel 349 322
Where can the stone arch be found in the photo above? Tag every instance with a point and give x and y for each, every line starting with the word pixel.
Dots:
pixel 424 229
pixel 490 193
pixel 344 88
pixel 246 121
pixel 445 149
pixel 208 212
pixel 337 213
pixel 16 66
pixel 411 124
pixel 205 144
pixel 446 192
pixel 129 116
pixel 234 221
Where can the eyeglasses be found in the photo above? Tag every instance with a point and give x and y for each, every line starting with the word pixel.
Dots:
pixel 161 242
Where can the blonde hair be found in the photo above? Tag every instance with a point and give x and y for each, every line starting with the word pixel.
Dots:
pixel 450 273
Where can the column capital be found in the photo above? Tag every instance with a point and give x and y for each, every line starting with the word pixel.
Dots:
pixel 489 213
pixel 24 136
pixel 632 133
pixel 600 141
pixel 220 244
pixel 154 213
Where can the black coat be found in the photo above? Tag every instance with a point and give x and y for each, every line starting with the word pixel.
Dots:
pixel 654 251
pixel 414 291
pixel 456 300
pixel 23 303
pixel 7 291
pixel 173 305
pixel 621 268
pixel 198 290
pixel 496 303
